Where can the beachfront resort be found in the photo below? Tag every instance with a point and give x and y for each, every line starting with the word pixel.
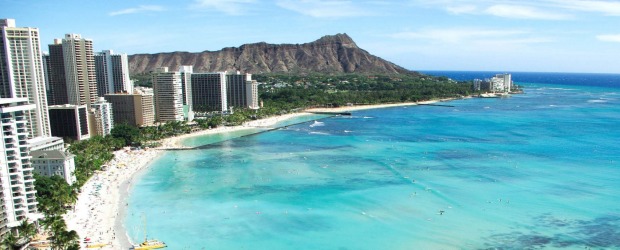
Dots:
pixel 76 127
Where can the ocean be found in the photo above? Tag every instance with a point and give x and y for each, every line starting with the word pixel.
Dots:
pixel 539 170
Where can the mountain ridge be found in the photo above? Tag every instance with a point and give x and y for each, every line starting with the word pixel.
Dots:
pixel 328 54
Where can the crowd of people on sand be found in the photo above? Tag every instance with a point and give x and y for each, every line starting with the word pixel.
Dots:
pixel 100 204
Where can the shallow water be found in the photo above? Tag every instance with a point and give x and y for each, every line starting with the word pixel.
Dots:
pixel 539 170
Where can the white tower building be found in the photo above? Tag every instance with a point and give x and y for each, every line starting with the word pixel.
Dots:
pixel 17 192
pixel 168 96
pixel 102 122
pixel 112 73
pixel 21 73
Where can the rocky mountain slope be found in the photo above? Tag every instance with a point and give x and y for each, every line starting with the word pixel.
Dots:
pixel 329 54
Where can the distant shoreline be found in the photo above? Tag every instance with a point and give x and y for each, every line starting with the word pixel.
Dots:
pixel 101 207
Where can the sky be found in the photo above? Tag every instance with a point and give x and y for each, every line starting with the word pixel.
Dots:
pixel 470 35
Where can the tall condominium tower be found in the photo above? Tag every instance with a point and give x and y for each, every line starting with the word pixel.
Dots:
pixel 80 73
pixel 133 109
pixel 209 92
pixel 55 68
pixel 102 119
pixel 168 95
pixel 186 83
pixel 17 192
pixel 242 91
pixel 112 73
pixel 507 79
pixel 186 90
pixel 21 73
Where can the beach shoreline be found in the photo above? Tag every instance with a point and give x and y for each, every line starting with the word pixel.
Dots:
pixel 101 207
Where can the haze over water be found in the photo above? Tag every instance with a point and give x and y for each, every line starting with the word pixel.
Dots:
pixel 536 170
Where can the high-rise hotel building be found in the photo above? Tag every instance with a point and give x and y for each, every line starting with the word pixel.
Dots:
pixel 72 80
pixel 242 91
pixel 55 72
pixel 70 121
pixel 168 95
pixel 209 92
pixel 21 73
pixel 102 118
pixel 79 62
pixel 186 91
pixel 112 73
pixel 135 109
pixel 17 191
pixel 186 83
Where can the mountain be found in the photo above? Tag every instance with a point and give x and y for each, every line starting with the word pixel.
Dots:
pixel 329 54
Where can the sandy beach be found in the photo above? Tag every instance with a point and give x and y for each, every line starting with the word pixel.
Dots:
pixel 99 211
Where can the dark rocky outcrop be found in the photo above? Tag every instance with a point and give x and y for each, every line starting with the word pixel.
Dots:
pixel 329 54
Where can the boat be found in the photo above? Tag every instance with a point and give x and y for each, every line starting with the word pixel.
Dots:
pixel 96 245
pixel 150 244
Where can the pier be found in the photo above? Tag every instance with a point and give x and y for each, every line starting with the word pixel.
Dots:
pixel 438 105
pixel 331 113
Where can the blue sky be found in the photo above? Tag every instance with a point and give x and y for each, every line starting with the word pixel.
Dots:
pixel 494 35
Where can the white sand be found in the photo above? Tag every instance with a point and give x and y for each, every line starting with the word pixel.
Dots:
pixel 99 211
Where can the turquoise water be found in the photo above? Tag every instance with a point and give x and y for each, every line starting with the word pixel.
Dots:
pixel 538 170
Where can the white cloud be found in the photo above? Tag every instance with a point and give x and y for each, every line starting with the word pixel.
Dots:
pixel 324 8
pixel 609 38
pixel 523 12
pixel 611 8
pixel 462 9
pixel 458 35
pixel 230 7
pixel 531 9
pixel 139 9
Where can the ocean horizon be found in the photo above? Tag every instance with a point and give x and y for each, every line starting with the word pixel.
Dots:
pixel 535 170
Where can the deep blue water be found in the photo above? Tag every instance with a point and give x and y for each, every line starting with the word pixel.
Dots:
pixel 537 170
pixel 578 79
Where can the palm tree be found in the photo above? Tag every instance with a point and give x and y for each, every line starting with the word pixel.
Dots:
pixel 53 223
pixel 26 230
pixel 10 241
